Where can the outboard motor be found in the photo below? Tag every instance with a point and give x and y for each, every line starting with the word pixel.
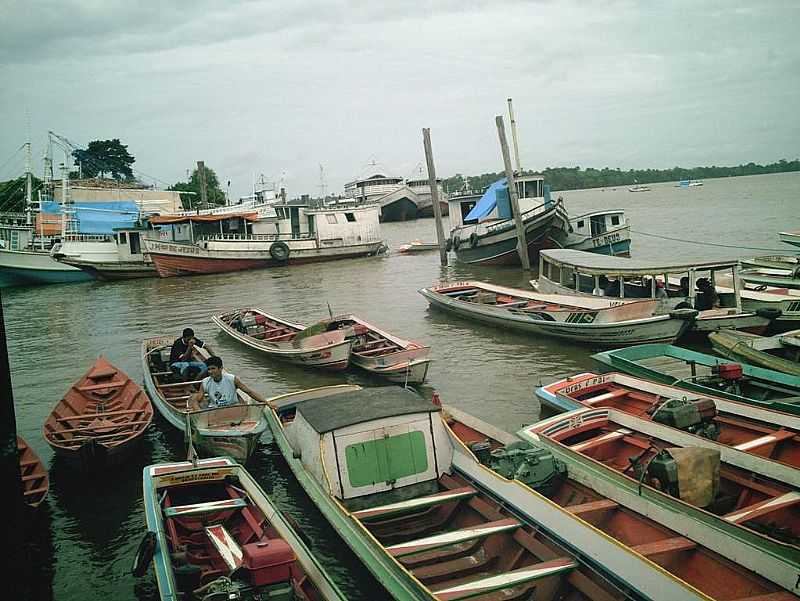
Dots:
pixel 690 474
pixel 533 466
pixel 695 416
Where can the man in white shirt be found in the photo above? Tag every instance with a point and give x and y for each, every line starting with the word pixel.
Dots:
pixel 220 388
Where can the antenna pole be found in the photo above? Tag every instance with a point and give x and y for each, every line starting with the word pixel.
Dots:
pixel 28 182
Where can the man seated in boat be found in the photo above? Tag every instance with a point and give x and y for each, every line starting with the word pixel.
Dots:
pixel 708 297
pixel 219 388
pixel 181 356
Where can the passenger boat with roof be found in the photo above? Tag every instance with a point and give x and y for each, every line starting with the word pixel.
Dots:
pixel 212 533
pixel 564 271
pixel 432 523
pixel 706 374
pixel 756 430
pixel 233 430
pixel 590 320
pixel 780 352
pixel 285 340
pixel 487 233
pixel 694 554
pixel 744 498
pixel 100 419
pixel 606 232
pixel 396 201
pixel 35 481
pixel 420 185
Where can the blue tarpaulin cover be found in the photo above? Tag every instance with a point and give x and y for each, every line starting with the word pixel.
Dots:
pixel 98 217
pixel 488 201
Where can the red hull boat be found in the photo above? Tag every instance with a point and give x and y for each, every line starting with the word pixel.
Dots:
pixel 35 481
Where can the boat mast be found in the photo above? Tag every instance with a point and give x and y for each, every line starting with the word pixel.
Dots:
pixel 514 135
pixel 28 182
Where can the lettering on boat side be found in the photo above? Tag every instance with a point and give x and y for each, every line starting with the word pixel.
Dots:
pixel 194 477
pixel 606 240
pixel 584 384
pixel 183 249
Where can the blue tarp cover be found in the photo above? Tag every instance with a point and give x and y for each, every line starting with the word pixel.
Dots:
pixel 99 217
pixel 488 201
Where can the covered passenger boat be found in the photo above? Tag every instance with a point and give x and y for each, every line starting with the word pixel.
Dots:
pixel 780 352
pixel 585 274
pixel 738 496
pixel 35 481
pixel 606 232
pixel 100 419
pixel 754 430
pixel 214 534
pixel 233 431
pixel 695 554
pixel 706 374
pixel 585 319
pixel 431 523
pixel 286 341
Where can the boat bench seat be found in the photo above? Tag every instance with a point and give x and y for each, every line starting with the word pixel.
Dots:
pixel 467 590
pixel 520 303
pixel 225 545
pixel 669 545
pixel 440 498
pixel 451 538
pixel 584 446
pixel 203 508
pixel 92 387
pixel 768 439
pixel 606 396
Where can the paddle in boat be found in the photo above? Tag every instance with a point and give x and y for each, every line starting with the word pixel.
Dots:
pixel 754 430
pixel 740 497
pixel 589 319
pixel 213 534
pixel 707 375
pixel 35 481
pixel 572 272
pixel 287 341
pixel 233 430
pixel 414 505
pixel 780 352
pixel 100 419
pixel 696 556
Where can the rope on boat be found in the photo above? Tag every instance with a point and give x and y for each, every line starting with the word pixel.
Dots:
pixel 775 250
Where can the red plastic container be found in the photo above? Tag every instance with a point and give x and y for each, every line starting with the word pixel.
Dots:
pixel 728 371
pixel 268 562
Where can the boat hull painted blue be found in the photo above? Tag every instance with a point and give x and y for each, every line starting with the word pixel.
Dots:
pixel 556 402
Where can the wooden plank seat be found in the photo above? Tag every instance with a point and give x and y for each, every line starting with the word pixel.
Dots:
pixel 667 545
pixel 175 384
pixel 35 491
pixel 490 584
pixel 93 387
pixel 600 440
pixel 381 350
pixel 68 418
pixel 226 546
pixel 440 498
pixel 450 538
pixel 204 508
pixel 464 292
pixel 509 305
pixel 606 396
pixel 769 439
pixel 92 427
pixel 764 507
pixel 587 510
pixel 279 336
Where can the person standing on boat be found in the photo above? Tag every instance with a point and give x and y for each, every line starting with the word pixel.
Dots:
pixel 220 387
pixel 181 356
pixel 708 297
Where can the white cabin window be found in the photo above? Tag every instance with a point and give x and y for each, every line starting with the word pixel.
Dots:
pixel 350 217
pixel 331 218
pixel 615 220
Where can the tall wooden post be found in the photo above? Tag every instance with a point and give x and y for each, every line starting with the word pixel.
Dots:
pixel 437 209
pixel 201 172
pixel 522 242
pixel 514 135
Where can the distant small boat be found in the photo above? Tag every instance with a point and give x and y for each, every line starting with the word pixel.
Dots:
pixel 639 188
pixel 417 246
pixel 780 352
pixel 688 183
pixel 100 419
pixel 35 481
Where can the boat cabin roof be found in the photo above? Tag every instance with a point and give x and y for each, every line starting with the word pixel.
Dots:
pixel 595 264
pixel 358 406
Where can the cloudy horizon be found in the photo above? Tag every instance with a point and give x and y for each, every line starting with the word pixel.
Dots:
pixel 255 87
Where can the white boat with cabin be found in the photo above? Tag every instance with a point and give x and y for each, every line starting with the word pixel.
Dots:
pixel 397 201
pixel 606 232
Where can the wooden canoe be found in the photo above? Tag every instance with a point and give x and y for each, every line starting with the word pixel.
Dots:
pixel 100 418
pixel 780 352
pixel 284 340
pixel 658 538
pixel 35 481
pixel 233 431
pixel 215 525
pixel 762 432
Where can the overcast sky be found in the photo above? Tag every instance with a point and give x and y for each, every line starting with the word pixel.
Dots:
pixel 271 87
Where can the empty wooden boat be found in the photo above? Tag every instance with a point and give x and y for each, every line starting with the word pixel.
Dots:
pixel 233 431
pixel 381 353
pixel 699 372
pixel 417 246
pixel 780 352
pixel 778 273
pixel 754 430
pixel 286 341
pixel 590 319
pixel 100 419
pixel 739 495
pixel 431 523
pixel 696 556
pixel 214 534
pixel 35 481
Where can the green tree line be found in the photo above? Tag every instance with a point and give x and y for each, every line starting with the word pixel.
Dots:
pixel 575 178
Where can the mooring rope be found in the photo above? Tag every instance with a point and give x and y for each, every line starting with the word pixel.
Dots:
pixel 775 250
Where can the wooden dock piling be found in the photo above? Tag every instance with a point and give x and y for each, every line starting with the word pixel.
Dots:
pixel 522 242
pixel 437 210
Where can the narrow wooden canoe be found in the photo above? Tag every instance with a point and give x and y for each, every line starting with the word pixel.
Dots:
pixel 233 431
pixel 381 353
pixel 754 430
pixel 100 419
pixel 695 371
pixel 286 341
pixel 718 488
pixel 35 481
pixel 780 352
pixel 590 319
pixel 697 556
pixel 432 523
pixel 214 524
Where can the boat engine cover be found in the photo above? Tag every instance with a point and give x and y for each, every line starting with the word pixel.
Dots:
pixel 690 474
pixel 684 414
pixel 268 562
pixel 533 466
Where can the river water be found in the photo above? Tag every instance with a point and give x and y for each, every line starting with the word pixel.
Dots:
pixel 89 529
